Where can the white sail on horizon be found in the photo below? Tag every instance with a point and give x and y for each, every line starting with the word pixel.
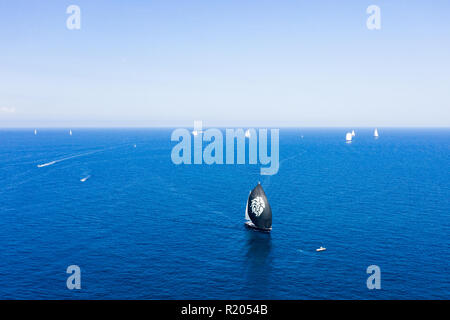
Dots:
pixel 348 137
pixel 375 133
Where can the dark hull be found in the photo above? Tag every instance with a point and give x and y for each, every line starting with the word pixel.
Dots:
pixel 250 225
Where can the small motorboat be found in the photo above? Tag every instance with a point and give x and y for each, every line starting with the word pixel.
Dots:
pixel 321 249
pixel 46 164
pixel 85 178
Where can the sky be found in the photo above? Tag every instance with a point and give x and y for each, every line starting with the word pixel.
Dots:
pixel 227 63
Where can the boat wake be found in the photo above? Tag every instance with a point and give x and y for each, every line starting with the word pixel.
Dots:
pixel 71 157
pixel 46 164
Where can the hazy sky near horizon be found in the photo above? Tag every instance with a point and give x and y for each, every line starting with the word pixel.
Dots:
pixel 235 62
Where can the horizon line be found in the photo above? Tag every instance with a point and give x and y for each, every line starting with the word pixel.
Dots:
pixel 217 126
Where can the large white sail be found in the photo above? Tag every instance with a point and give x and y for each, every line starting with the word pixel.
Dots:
pixel 375 133
pixel 353 133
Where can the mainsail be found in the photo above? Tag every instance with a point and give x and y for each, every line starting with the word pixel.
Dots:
pixel 258 209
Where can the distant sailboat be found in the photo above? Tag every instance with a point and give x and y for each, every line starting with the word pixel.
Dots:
pixel 70 132
pixel 375 133
pixel 257 211
pixel 247 133
pixel 35 132
pixel 196 132
pixel 353 133
pixel 348 137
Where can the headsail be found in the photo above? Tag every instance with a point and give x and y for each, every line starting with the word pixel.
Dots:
pixel 258 209
pixel 246 212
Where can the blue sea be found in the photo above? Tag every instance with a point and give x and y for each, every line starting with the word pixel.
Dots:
pixel 141 227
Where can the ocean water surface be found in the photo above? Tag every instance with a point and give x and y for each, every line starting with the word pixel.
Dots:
pixel 141 227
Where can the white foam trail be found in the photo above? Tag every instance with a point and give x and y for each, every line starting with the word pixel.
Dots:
pixel 79 155
pixel 71 157
pixel 46 164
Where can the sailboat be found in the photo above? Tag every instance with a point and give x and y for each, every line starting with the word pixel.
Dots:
pixel 375 133
pixel 348 137
pixel 353 133
pixel 247 133
pixel 70 132
pixel 196 132
pixel 257 211
pixel 35 132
